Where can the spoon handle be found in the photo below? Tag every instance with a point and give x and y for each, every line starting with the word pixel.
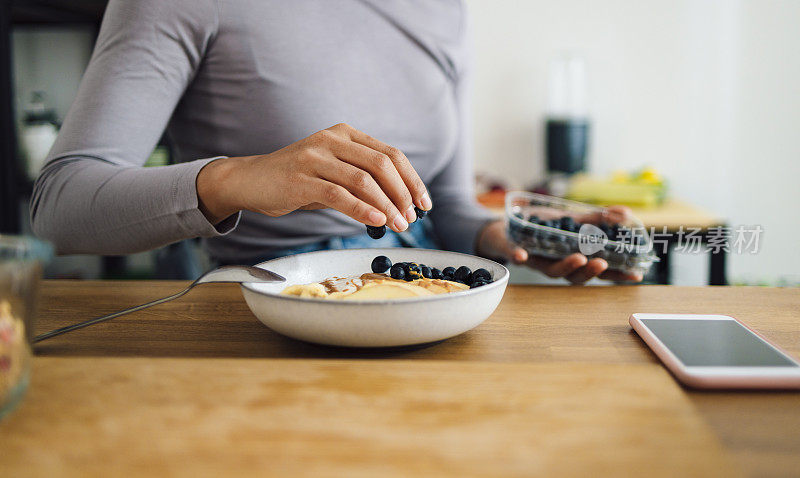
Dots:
pixel 86 323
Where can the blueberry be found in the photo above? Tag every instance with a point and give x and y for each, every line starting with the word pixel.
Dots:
pixel 567 224
pixel 534 219
pixel 562 248
pixel 601 254
pixel 376 232
pixel 420 212
pixel 448 273
pixel 381 264
pixel 615 259
pixel 397 272
pixel 549 223
pixel 481 275
pixel 477 284
pixel 413 271
pixel 462 274
pixel 436 273
pixel 426 271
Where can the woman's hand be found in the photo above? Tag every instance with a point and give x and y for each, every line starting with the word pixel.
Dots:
pixel 339 167
pixel 576 268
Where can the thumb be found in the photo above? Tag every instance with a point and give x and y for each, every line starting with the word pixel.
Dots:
pixel 513 252
pixel 519 255
pixel 494 242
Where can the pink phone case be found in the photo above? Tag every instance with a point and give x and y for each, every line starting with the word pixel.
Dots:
pixel 791 380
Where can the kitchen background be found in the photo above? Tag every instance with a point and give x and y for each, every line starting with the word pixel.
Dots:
pixel 707 92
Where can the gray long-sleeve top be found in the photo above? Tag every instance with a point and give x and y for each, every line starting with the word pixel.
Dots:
pixel 237 78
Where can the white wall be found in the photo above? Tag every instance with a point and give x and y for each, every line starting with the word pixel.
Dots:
pixel 706 91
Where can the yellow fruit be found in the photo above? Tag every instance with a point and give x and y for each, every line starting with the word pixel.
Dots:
pixel 620 177
pixel 650 176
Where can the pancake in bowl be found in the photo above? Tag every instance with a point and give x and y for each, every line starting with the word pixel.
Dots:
pixel 372 286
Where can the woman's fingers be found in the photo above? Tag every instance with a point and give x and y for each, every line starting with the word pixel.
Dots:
pixel 612 214
pixel 618 214
pixel 337 197
pixel 560 268
pixel 343 169
pixel 506 249
pixel 618 276
pixel 381 168
pixel 592 269
pixel 577 269
pixel 410 177
pixel 362 185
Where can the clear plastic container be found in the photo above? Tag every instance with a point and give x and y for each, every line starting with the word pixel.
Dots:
pixel 21 260
pixel 554 228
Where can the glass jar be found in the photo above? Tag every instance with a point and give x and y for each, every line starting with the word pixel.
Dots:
pixel 21 262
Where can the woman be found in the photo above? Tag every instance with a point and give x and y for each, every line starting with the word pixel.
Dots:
pixel 231 81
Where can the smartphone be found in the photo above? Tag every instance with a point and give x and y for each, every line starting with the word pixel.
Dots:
pixel 716 351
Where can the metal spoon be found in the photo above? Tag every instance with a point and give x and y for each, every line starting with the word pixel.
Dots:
pixel 222 274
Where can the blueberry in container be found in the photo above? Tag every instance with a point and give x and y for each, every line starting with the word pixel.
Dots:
pixel 554 228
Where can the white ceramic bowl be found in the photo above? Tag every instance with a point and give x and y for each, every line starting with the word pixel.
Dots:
pixel 381 323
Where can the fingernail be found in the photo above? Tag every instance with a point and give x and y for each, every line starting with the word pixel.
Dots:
pixel 426 202
pixel 410 215
pixel 376 218
pixel 400 224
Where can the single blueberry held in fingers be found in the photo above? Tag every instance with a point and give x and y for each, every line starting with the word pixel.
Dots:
pixel 398 272
pixel 376 232
pixel 462 274
pixel 426 271
pixel 448 273
pixel 381 264
pixel 481 275
pixel 420 212
pixel 436 273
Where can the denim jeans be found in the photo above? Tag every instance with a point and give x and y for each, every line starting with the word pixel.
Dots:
pixel 417 235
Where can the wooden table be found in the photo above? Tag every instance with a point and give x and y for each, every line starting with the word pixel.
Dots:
pixel 554 383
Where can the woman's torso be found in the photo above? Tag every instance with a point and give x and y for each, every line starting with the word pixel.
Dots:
pixel 277 71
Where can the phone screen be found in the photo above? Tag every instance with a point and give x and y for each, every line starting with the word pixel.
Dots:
pixel 715 343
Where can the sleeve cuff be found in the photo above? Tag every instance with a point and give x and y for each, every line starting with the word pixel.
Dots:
pixel 187 206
